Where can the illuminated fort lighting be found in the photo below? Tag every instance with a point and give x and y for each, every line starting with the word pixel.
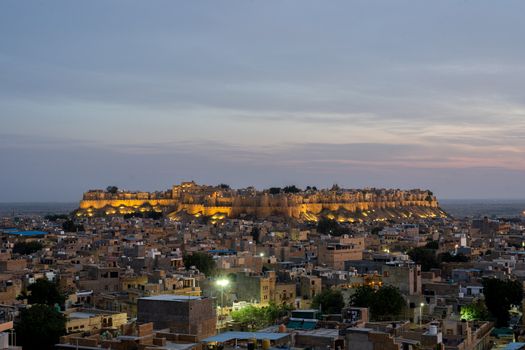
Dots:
pixel 360 204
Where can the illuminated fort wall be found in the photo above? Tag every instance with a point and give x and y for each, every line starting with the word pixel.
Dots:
pixel 207 200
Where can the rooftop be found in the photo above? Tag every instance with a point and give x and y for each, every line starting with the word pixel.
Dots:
pixel 228 336
pixel 171 297
pixel 24 233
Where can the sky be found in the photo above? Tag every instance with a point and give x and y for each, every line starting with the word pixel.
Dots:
pixel 145 94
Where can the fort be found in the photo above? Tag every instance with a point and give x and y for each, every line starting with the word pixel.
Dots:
pixel 219 202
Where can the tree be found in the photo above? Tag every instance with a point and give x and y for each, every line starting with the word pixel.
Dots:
pixel 256 234
pixel 274 190
pixel 332 227
pixel 499 296
pixel 447 257
pixel 432 245
pixel 26 248
pixel 253 318
pixel 376 230
pixel 202 261
pixel 70 226
pixel 474 311
pixel 151 214
pixel 291 189
pixel 363 296
pixel 276 312
pixel 112 189
pixel 40 327
pixel 45 292
pixel 55 217
pixel 384 303
pixel 424 257
pixel 388 303
pixel 330 301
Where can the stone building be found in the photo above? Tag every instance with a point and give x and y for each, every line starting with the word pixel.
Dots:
pixel 181 314
pixel 407 278
pixel 334 253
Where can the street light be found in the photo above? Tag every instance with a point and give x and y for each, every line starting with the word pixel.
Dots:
pixel 222 283
pixel 421 313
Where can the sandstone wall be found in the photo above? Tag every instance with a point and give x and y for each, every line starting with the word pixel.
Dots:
pixel 262 204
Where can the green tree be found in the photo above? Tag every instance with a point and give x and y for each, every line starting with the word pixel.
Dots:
pixel 202 261
pixel 332 227
pixel 276 312
pixel 274 190
pixel 330 301
pixel 40 327
pixel 291 189
pixel 26 248
pixel 447 257
pixel 363 296
pixel 432 245
pixel 45 292
pixel 474 311
pixel 251 317
pixel 388 303
pixel 499 296
pixel 70 226
pixel 112 189
pixel 424 257
pixel 385 303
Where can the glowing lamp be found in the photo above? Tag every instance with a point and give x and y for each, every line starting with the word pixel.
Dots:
pixel 222 282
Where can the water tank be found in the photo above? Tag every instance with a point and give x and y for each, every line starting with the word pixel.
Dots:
pixel 266 344
pixel 433 330
pixel 282 328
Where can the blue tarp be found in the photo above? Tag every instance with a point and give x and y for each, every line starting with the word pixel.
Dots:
pixel 24 233
pixel 228 336
pixel 301 325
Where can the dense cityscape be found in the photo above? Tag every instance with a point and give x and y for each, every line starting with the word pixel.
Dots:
pixel 128 271
pixel 262 175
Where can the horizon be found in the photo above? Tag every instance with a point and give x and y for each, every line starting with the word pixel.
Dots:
pixel 386 94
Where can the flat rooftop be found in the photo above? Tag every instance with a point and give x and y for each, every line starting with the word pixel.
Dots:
pixel 24 233
pixel 228 336
pixel 171 297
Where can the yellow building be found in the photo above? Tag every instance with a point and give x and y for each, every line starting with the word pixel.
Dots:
pixel 89 320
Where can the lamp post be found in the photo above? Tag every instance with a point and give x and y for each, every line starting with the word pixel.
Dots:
pixel 421 313
pixel 222 283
